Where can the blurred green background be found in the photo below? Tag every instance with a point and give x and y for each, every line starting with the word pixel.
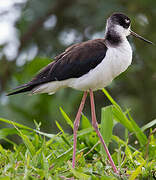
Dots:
pixel 33 32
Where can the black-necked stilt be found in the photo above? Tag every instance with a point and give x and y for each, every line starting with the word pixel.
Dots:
pixel 88 66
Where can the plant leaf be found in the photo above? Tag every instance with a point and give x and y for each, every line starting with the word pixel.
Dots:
pixel 59 127
pixel 139 134
pixel 7 131
pixel 27 142
pixel 149 125
pixel 106 124
pixel 85 123
pixel 15 123
pixel 131 125
pixel 68 120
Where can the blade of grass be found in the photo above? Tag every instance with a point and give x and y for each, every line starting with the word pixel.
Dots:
pixel 118 113
pixel 110 98
pixel 27 142
pixel 27 164
pixel 4 178
pixel 139 134
pixel 128 153
pixel 44 134
pixel 66 140
pixel 121 142
pixel 85 123
pixel 84 131
pixel 45 166
pixel 77 174
pixel 63 134
pixel 11 142
pixel 136 172
pixel 48 143
pixel 25 127
pixel 118 140
pixel 149 125
pixel 106 125
pixel 64 157
pixel 15 123
pixel 120 116
pixel 68 120
pixel 7 131
pixel 59 127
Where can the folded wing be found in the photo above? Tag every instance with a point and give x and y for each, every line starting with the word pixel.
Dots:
pixel 74 62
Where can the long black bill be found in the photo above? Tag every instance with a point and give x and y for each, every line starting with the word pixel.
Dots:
pixel 140 37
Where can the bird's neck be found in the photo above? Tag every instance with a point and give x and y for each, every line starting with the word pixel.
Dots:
pixel 115 37
pixel 112 38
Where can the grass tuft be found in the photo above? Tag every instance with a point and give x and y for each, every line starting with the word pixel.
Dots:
pixel 48 156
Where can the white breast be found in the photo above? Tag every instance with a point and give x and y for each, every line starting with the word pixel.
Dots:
pixel 116 61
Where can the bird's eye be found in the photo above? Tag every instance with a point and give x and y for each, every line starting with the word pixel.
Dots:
pixel 127 21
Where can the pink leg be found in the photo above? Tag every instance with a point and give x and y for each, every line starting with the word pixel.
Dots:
pixel 95 126
pixel 76 124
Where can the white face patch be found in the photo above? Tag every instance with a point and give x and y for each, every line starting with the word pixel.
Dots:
pixel 122 31
pixel 128 32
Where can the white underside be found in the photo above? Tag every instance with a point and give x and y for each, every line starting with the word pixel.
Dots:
pixel 116 61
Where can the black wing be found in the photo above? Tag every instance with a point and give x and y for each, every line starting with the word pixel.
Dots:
pixel 76 61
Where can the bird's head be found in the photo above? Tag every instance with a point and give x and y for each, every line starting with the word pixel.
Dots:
pixel 121 25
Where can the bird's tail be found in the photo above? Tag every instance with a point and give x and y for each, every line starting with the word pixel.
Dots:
pixel 21 89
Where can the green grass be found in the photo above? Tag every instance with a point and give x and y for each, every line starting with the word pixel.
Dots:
pixel 49 156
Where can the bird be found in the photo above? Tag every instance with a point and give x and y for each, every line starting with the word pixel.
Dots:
pixel 88 66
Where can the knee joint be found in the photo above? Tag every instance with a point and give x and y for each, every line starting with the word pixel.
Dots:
pixel 95 125
pixel 76 125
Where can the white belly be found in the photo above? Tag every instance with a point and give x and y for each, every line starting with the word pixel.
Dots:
pixel 116 61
